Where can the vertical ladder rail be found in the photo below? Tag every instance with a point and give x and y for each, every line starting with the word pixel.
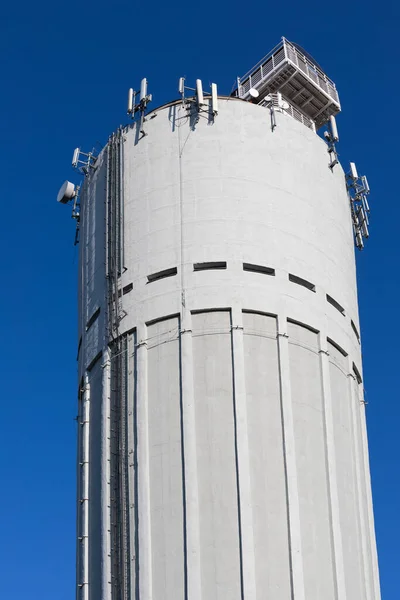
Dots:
pixel 120 552
pixel 83 498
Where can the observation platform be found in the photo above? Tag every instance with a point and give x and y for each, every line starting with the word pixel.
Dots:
pixel 288 69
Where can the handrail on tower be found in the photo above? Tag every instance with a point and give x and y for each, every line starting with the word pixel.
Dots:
pixel 289 70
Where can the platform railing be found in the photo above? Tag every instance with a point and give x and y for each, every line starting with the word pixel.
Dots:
pixel 262 61
pixel 262 69
pixel 282 104
pixel 310 69
pixel 271 62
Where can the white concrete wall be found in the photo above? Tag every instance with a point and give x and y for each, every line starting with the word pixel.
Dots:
pixel 252 479
pixel 165 459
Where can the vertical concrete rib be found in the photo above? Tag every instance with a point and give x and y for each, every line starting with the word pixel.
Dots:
pixel 192 523
pixel 145 556
pixel 131 350
pixel 79 491
pixel 106 476
pixel 331 470
pixel 296 560
pixel 243 459
pixel 85 466
pixel 355 417
pixel 370 510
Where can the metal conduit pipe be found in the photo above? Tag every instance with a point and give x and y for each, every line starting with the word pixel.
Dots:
pixel 84 500
pixel 106 426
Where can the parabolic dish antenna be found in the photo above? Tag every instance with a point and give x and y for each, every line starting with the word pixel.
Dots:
pixel 66 193
pixel 254 93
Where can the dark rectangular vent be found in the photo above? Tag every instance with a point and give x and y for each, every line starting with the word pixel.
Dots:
pixel 162 274
pixel 94 361
pixel 339 348
pixel 357 374
pixel 336 304
pixel 300 281
pixel 304 325
pixel 128 288
pixel 205 266
pixel 354 328
pixel 81 389
pixel 79 348
pixel 161 319
pixel 92 318
pixel 258 269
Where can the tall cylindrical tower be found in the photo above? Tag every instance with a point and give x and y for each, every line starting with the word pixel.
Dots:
pixel 222 450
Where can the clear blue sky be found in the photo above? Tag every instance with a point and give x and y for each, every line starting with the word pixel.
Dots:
pixel 66 67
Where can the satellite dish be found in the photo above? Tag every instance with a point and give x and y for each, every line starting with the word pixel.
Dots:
pixel 254 93
pixel 284 105
pixel 268 98
pixel 66 193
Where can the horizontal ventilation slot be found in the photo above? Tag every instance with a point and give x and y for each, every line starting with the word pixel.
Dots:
pixel 92 318
pixel 79 348
pixel 81 389
pixel 336 304
pixel 161 319
pixel 258 312
pixel 300 281
pixel 339 348
pixel 162 274
pixel 202 311
pixel 95 360
pixel 354 328
pixel 304 325
pixel 258 269
pixel 207 266
pixel 128 288
pixel 357 374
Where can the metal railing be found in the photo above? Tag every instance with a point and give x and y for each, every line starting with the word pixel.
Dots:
pixel 310 69
pixel 282 104
pixel 262 70
pixel 285 50
pixel 262 61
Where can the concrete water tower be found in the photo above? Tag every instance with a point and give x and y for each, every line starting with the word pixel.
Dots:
pixel 222 449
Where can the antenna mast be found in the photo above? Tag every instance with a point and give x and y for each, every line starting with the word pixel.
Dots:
pixel 358 190
pixel 144 99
